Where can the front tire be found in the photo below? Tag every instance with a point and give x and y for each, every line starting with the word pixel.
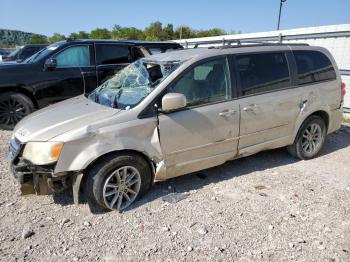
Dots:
pixel 14 107
pixel 116 182
pixel 310 138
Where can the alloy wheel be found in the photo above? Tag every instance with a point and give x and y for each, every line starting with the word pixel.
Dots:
pixel 312 138
pixel 11 111
pixel 121 188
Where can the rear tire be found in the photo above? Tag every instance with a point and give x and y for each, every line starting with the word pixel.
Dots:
pixel 13 108
pixel 310 138
pixel 116 182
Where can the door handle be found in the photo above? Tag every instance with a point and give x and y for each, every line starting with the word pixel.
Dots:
pixel 249 108
pixel 227 112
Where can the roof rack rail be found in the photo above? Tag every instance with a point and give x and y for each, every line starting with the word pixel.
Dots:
pixel 252 44
pixel 228 43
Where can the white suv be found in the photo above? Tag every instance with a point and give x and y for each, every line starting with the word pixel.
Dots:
pixel 176 113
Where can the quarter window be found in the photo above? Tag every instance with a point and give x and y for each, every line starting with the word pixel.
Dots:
pixel 205 83
pixel 313 67
pixel 263 72
pixel 76 56
pixel 112 54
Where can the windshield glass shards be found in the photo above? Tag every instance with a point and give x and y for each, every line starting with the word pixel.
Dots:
pixel 133 83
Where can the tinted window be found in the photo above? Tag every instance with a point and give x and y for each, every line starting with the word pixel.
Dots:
pixel 27 52
pixel 263 72
pixel 112 54
pixel 313 67
pixel 75 56
pixel 205 83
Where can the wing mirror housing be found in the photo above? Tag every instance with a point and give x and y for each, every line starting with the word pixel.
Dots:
pixel 173 102
pixel 50 64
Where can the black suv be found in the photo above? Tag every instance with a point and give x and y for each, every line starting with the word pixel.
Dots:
pixel 63 70
pixel 23 53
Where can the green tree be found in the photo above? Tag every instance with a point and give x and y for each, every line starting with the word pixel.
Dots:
pixel 38 39
pixel 211 32
pixel 184 32
pixel 56 37
pixel 154 31
pixel 216 32
pixel 100 33
pixel 80 35
pixel 168 32
pixel 127 33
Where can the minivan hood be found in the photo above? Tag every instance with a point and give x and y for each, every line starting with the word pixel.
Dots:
pixel 60 118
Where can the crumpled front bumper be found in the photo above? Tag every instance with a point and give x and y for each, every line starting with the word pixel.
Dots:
pixel 32 179
pixel 40 180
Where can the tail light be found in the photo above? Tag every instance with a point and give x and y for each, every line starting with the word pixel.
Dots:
pixel 343 90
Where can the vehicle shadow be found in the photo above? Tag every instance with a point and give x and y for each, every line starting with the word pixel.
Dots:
pixel 244 166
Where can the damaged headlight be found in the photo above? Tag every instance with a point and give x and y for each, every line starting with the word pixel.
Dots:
pixel 42 153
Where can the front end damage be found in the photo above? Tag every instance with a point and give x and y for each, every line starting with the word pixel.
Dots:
pixel 39 180
pixel 34 179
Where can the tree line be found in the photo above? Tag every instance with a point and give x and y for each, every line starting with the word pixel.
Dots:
pixel 156 31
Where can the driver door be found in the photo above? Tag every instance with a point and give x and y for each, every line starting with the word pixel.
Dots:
pixel 204 134
pixel 73 75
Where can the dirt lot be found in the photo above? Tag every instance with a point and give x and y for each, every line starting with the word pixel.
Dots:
pixel 269 207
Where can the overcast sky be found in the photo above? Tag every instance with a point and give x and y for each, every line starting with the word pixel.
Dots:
pixel 66 16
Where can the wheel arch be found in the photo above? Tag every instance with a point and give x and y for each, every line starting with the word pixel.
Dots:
pixel 22 90
pixel 116 153
pixel 321 113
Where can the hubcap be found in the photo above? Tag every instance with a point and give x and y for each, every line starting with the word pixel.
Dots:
pixel 121 188
pixel 312 138
pixel 11 112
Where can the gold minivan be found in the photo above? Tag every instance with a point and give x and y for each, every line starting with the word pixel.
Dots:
pixel 176 113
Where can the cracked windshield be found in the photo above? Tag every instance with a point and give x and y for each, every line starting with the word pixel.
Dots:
pixel 132 84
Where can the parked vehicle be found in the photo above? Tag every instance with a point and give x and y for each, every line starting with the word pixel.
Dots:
pixel 63 70
pixel 3 53
pixel 172 114
pixel 23 52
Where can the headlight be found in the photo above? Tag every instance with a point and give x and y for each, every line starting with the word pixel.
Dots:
pixel 42 153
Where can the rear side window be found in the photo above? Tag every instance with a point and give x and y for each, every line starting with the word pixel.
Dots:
pixel 313 67
pixel 263 72
pixel 112 54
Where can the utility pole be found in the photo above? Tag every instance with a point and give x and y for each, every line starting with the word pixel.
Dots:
pixel 279 15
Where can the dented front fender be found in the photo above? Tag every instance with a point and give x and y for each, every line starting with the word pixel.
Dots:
pixel 140 135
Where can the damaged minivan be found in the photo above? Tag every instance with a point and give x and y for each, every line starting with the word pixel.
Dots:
pixel 176 113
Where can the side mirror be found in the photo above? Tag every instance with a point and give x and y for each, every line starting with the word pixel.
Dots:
pixel 50 64
pixel 173 101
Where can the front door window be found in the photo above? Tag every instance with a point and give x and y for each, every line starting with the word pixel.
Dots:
pixel 205 83
pixel 76 56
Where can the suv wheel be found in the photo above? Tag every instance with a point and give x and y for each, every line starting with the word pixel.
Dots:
pixel 115 182
pixel 310 138
pixel 13 107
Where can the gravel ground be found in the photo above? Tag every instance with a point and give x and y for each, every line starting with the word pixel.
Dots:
pixel 268 207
